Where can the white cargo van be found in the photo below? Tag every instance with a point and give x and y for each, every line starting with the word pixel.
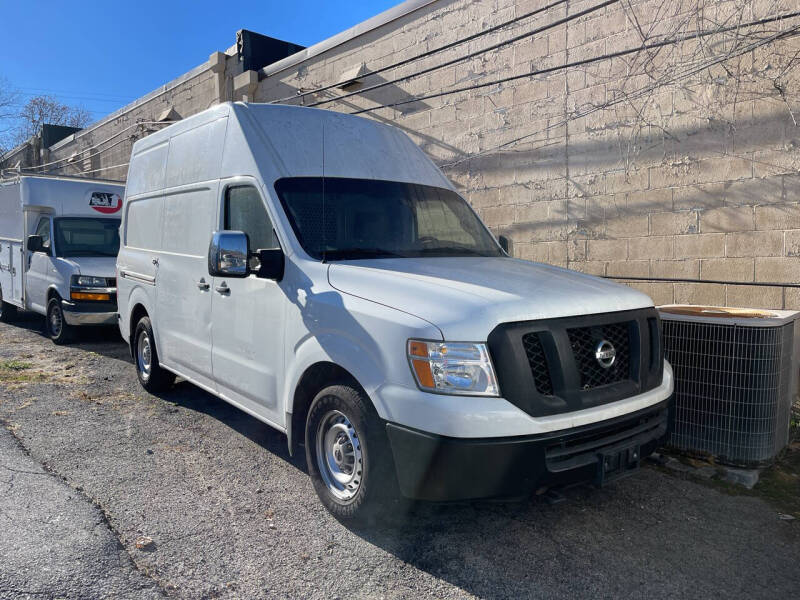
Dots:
pixel 59 238
pixel 319 272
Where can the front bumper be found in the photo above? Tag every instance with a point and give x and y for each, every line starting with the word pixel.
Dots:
pixel 434 467
pixel 89 313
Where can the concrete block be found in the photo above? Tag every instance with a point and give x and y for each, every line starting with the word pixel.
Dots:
pixel 700 245
pixel 660 293
pixel 673 223
pixel 703 196
pixel 747 296
pixel 651 247
pixel 628 268
pixel 785 269
pixel 767 190
pixel 577 250
pixel 681 269
pixel 650 201
pixel 778 216
pixel 627 226
pixel 700 293
pixel 729 219
pixel 727 269
pixel 591 267
pixel 792 243
pixel 607 249
pixel 745 477
pixel 754 243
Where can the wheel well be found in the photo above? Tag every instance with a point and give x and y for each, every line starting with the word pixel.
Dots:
pixel 137 313
pixel 52 293
pixel 316 377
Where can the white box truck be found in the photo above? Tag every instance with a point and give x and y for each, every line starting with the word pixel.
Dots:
pixel 59 238
pixel 319 272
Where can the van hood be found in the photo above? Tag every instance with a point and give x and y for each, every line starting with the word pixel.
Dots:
pixel 467 297
pixel 98 266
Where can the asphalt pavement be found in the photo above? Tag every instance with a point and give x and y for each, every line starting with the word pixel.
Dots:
pixel 110 492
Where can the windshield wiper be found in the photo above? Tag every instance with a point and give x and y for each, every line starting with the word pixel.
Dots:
pixel 347 253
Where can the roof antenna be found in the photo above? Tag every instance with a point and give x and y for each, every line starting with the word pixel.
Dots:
pixel 324 229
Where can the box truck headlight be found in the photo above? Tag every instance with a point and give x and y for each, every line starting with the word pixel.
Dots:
pixel 88 281
pixel 84 287
pixel 453 368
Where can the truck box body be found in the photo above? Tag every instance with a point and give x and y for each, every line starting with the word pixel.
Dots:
pixel 533 371
pixel 78 218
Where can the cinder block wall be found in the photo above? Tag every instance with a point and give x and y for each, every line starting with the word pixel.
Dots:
pixel 633 166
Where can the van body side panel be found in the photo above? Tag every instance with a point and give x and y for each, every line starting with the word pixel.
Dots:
pixel 12 255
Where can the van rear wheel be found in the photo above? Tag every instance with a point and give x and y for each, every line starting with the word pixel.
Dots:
pixel 56 327
pixel 348 455
pixel 151 376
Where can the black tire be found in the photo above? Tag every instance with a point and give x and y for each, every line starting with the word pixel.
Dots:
pixel 376 485
pixel 153 379
pixel 7 311
pixel 55 326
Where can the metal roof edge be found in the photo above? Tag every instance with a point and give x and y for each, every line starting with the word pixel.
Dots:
pixel 139 101
pixel 378 20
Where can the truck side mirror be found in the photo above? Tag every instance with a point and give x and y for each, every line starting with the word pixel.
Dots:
pixel 228 253
pixel 272 264
pixel 505 244
pixel 35 243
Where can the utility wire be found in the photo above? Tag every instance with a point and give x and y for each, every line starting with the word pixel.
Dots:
pixel 577 63
pixel 406 61
pixel 516 38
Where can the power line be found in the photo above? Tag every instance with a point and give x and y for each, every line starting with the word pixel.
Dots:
pixel 577 63
pixel 448 63
pixel 406 61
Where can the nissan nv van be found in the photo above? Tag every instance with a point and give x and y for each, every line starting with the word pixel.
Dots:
pixel 319 272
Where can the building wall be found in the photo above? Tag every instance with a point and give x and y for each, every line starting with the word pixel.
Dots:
pixel 676 162
pixel 696 178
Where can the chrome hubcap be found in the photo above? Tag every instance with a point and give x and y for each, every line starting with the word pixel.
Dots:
pixel 339 455
pixel 144 355
pixel 55 322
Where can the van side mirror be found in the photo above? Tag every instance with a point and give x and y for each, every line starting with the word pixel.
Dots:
pixel 35 243
pixel 272 264
pixel 228 253
pixel 505 244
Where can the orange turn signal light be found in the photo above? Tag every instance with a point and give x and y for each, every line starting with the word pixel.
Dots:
pixel 89 296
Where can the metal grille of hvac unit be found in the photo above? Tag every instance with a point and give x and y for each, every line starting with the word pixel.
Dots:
pixel 733 393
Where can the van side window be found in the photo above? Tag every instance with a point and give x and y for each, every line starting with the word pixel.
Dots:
pixel 244 211
pixel 43 229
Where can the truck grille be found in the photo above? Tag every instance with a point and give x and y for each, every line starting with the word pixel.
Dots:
pixel 538 363
pixel 584 341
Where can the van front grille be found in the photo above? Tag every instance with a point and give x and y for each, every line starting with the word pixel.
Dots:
pixel 538 363
pixel 584 342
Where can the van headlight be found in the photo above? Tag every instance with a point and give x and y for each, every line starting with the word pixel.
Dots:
pixel 461 368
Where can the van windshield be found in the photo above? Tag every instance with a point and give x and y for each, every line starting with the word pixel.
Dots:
pixel 381 219
pixel 86 236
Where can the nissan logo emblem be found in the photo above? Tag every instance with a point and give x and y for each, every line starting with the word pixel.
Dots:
pixel 605 354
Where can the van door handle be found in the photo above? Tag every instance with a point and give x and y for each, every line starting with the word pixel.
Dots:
pixel 155 261
pixel 223 289
pixel 202 285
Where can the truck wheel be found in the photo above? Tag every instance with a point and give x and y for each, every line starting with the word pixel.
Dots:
pixel 151 376
pixel 348 455
pixel 7 311
pixel 56 327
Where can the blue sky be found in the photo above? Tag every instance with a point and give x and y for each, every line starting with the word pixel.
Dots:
pixel 101 55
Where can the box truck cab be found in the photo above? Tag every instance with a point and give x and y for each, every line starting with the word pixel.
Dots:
pixel 319 272
pixel 59 238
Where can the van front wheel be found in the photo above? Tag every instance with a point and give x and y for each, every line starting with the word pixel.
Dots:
pixel 347 453
pixel 151 376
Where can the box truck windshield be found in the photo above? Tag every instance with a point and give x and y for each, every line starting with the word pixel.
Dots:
pixel 341 219
pixel 86 236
